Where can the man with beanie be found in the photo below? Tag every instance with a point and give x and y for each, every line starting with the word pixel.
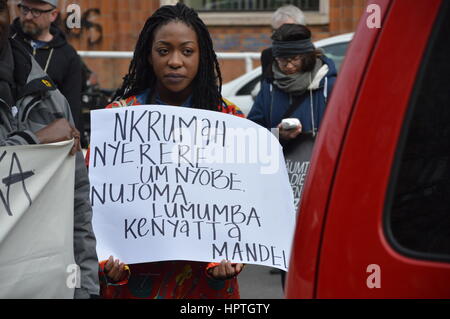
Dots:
pixel 33 111
pixel 34 28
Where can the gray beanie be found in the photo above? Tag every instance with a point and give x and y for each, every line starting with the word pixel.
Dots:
pixel 52 2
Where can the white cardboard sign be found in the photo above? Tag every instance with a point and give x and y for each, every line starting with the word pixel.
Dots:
pixel 172 183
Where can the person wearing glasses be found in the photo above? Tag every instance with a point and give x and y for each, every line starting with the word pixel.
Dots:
pixel 287 14
pixel 46 42
pixel 295 88
pixel 300 82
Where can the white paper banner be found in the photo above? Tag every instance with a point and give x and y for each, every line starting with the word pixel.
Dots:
pixel 36 221
pixel 171 183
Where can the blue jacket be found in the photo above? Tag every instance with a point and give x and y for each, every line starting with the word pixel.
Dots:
pixel 271 103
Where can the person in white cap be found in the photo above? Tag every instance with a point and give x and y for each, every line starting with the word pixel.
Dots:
pixel 287 14
pixel 35 29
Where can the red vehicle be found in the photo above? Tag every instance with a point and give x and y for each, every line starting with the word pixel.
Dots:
pixel 375 215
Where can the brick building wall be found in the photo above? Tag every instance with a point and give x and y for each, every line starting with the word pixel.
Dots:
pixel 345 15
pixel 121 22
pixel 114 25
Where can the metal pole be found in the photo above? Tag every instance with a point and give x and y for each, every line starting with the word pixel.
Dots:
pixel 248 64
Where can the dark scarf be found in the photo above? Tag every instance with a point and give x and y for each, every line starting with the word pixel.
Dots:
pixel 7 83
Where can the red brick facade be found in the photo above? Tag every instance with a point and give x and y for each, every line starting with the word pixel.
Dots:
pixel 345 15
pixel 114 25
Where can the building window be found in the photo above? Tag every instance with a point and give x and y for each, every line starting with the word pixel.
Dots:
pixel 250 5
pixel 418 211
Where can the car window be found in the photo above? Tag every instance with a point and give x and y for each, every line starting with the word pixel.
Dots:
pixel 248 88
pixel 336 52
pixel 417 220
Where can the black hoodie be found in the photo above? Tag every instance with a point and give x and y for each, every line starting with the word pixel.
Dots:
pixel 62 62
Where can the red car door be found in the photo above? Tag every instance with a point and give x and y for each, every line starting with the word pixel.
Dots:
pixel 373 217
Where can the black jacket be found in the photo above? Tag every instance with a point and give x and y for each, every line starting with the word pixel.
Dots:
pixel 35 104
pixel 64 65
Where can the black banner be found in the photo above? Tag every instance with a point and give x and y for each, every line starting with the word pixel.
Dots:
pixel 298 155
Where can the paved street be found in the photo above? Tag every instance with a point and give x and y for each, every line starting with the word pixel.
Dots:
pixel 256 282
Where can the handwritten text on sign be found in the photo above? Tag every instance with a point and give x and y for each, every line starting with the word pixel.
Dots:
pixel 36 231
pixel 171 183
pixel 15 176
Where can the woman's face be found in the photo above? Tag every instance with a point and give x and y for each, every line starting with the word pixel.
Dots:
pixel 175 56
pixel 290 65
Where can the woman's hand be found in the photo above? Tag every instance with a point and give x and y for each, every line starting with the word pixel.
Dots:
pixel 289 134
pixel 115 270
pixel 226 270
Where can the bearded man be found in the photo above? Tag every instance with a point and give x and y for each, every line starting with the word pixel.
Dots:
pixel 35 29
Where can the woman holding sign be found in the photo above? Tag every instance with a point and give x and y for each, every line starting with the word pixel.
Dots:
pixel 174 64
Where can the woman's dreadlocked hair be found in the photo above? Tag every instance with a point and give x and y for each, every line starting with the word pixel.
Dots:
pixel 208 82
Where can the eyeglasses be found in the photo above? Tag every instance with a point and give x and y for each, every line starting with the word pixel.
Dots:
pixel 295 61
pixel 35 12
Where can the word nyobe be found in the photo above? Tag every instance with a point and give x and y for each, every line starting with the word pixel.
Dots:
pixel 191 140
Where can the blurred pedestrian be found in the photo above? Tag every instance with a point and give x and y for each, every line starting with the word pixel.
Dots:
pixel 33 111
pixel 36 30
pixel 298 85
pixel 287 14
